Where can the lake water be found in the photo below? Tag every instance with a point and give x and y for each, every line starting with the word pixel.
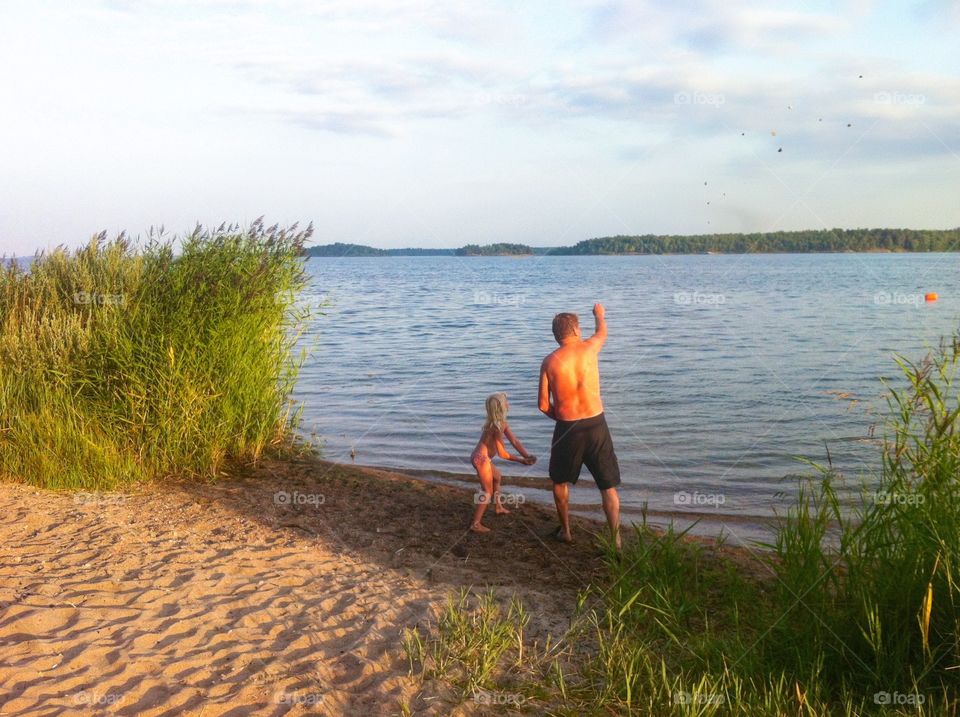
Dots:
pixel 718 372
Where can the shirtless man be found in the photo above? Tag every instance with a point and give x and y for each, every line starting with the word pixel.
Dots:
pixel 570 395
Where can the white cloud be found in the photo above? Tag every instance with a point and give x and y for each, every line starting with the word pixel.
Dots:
pixel 110 107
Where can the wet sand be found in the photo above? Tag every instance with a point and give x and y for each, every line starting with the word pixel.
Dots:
pixel 740 529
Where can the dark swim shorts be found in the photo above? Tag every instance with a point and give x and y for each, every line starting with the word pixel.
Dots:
pixel 586 441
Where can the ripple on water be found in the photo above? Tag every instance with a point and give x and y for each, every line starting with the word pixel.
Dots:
pixel 723 395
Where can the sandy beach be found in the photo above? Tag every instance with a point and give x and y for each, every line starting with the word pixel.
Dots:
pixel 281 590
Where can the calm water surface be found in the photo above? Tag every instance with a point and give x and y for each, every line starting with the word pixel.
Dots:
pixel 718 373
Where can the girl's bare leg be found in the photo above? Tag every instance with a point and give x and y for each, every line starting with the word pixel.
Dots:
pixel 497 497
pixel 485 474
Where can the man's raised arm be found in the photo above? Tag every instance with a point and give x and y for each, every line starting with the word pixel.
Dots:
pixel 600 333
pixel 545 406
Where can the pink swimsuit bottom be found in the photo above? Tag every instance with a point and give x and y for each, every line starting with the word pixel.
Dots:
pixel 478 459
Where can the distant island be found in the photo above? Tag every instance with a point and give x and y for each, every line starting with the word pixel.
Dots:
pixel 798 242
pixel 341 249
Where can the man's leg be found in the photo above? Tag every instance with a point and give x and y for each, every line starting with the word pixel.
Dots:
pixel 603 465
pixel 561 497
pixel 611 507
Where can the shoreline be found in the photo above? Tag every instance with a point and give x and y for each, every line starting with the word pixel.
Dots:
pixel 702 523
pixel 627 253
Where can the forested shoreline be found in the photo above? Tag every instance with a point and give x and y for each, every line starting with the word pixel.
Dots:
pixel 795 242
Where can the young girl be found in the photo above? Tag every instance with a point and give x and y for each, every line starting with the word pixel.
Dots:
pixel 490 445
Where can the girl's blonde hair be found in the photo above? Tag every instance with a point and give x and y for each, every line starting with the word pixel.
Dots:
pixel 496 410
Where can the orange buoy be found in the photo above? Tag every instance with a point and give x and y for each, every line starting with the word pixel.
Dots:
pixel 932 296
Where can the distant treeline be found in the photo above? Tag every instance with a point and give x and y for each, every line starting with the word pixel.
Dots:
pixel 502 249
pixel 341 249
pixel 823 240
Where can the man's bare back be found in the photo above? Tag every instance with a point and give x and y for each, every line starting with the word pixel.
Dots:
pixel 570 395
pixel 570 377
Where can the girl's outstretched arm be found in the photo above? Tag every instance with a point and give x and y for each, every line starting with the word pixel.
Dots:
pixel 502 452
pixel 527 458
pixel 515 441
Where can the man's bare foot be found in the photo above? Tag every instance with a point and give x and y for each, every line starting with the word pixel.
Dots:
pixel 559 535
pixel 500 510
pixel 477 528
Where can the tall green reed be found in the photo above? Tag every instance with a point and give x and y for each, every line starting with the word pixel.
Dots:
pixel 122 362
pixel 855 610
pixel 873 590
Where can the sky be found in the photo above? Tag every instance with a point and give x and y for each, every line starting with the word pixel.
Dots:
pixel 436 124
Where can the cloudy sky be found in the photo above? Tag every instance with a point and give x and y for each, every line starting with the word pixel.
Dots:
pixel 421 123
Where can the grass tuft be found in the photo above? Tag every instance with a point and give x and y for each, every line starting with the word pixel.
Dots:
pixel 122 363
pixel 856 610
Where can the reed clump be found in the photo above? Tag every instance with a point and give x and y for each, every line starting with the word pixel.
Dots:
pixel 852 609
pixel 872 593
pixel 123 362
